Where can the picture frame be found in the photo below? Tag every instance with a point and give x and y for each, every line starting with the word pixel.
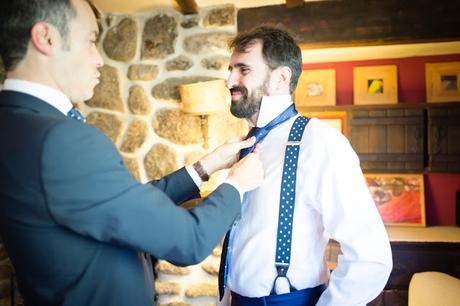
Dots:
pixel 399 198
pixel 316 87
pixel 442 82
pixel 374 85
pixel 337 120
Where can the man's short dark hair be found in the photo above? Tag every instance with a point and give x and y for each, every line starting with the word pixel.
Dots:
pixel 278 49
pixel 17 17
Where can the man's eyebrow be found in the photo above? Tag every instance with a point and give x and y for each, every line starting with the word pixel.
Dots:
pixel 239 65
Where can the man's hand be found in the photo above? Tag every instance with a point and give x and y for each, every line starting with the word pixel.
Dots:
pixel 226 155
pixel 248 173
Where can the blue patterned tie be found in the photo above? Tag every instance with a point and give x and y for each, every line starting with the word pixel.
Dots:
pixel 260 134
pixel 75 114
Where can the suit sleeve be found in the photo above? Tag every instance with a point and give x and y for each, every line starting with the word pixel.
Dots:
pixel 90 192
pixel 178 186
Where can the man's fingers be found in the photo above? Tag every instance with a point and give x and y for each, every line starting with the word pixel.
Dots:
pixel 235 139
pixel 248 142
pixel 257 148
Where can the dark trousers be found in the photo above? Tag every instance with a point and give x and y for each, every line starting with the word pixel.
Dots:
pixel 304 297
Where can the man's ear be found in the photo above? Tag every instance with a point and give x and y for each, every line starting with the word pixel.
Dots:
pixel 282 79
pixel 285 74
pixel 43 37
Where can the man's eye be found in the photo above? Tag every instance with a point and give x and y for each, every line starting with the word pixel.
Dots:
pixel 245 70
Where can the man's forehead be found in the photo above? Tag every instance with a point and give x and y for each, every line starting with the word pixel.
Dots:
pixel 249 54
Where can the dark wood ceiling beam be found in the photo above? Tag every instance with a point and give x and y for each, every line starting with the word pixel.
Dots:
pixel 320 24
pixel 294 3
pixel 187 6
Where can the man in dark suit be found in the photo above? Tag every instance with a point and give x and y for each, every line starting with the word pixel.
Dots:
pixel 77 226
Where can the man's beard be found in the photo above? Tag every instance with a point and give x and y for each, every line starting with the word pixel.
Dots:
pixel 248 106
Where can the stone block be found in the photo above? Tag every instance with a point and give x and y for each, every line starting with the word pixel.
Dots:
pixel 133 167
pixel 165 287
pixel 108 124
pixel 107 92
pixel 219 17
pixel 205 42
pixel 134 137
pixel 215 63
pixel 202 289
pixel 223 126
pixel 217 251
pixel 167 268
pixel 174 303
pixel 120 41
pixel 169 90
pixel 159 37
pixel 211 268
pixel 138 102
pixel 179 63
pixel 141 72
pixel 160 161
pixel 192 157
pixel 189 22
pixel 178 127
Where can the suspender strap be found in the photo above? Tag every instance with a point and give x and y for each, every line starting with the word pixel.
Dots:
pixel 287 201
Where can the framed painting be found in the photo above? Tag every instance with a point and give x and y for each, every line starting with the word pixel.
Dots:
pixel 400 198
pixel 375 85
pixel 442 82
pixel 337 120
pixel 316 88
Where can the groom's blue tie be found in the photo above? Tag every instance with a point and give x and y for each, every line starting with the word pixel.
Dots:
pixel 75 114
pixel 260 134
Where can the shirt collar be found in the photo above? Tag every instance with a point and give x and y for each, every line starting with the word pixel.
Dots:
pixel 271 107
pixel 48 94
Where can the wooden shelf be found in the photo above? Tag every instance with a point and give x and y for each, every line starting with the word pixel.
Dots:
pixel 449 234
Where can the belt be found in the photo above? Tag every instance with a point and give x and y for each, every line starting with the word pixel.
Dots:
pixel 304 297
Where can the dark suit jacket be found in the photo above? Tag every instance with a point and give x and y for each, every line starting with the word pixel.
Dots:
pixel 74 221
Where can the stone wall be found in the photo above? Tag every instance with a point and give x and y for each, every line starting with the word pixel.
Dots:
pixel 137 105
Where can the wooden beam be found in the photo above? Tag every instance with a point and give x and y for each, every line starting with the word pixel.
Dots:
pixel 294 3
pixel 187 6
pixel 322 24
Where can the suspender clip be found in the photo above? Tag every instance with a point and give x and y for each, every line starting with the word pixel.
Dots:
pixel 281 268
pixel 293 143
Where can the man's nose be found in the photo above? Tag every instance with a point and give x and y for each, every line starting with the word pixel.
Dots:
pixel 231 80
pixel 99 60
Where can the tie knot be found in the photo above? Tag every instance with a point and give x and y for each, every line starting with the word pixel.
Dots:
pixel 260 133
pixel 75 114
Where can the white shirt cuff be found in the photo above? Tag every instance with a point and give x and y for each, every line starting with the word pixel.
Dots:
pixel 194 175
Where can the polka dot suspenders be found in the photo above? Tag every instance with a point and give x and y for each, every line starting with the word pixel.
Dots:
pixel 287 201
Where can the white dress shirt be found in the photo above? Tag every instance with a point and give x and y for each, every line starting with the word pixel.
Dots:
pixel 61 102
pixel 332 201
pixel 52 96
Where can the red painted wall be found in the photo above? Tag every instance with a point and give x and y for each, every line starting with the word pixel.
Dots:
pixel 411 76
pixel 440 188
pixel 440 198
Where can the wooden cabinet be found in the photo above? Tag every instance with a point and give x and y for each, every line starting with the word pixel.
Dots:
pixel 389 139
pixel 402 137
pixel 444 138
